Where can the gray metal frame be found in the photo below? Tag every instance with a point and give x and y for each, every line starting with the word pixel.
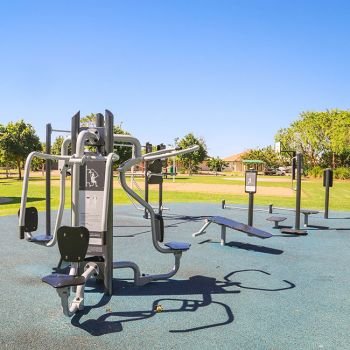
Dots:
pixel 138 278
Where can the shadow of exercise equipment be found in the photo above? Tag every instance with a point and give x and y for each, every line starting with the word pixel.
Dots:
pixel 255 248
pixel 183 220
pixel 196 285
pixel 247 246
pixel 290 285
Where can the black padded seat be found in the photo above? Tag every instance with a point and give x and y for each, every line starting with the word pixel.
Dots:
pixel 60 281
pixel 40 239
pixel 178 246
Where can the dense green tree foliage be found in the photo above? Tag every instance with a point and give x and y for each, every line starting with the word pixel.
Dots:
pixel 17 140
pixel 216 164
pixel 323 137
pixel 267 155
pixel 190 161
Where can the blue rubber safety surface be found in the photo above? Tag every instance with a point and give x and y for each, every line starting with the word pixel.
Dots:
pixel 280 293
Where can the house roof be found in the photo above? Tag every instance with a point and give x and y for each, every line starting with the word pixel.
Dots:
pixel 234 158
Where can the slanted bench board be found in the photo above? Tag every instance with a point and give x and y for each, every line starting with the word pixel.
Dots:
pixel 235 225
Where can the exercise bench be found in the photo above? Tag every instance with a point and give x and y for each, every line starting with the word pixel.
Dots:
pixel 235 225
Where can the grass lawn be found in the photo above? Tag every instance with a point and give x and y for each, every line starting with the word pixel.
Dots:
pixel 312 193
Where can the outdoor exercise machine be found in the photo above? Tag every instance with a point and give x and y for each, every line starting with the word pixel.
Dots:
pixel 297 165
pixel 152 174
pixel 153 171
pixel 250 187
pixel 235 225
pixel 88 243
pixel 48 165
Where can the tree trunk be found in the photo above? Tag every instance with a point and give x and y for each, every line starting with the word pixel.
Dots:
pixel 19 169
pixel 333 160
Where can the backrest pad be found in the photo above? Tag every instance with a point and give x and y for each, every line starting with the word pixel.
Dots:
pixel 73 243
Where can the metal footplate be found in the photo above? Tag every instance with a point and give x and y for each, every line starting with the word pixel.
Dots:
pixel 178 246
pixel 40 239
pixel 61 281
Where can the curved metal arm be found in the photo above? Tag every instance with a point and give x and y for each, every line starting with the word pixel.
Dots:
pixel 130 139
pixel 25 191
pixel 112 157
pixel 82 138
pixel 161 151
pixel 146 205
pixel 125 167
pixel 155 155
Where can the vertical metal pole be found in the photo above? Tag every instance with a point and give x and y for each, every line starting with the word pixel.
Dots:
pixel 132 168
pixel 299 159
pixel 75 171
pixel 223 235
pixel 174 168
pixel 160 204
pixel 250 209
pixel 326 200
pixel 109 147
pixel 100 124
pixel 146 189
pixel 99 120
pixel 48 179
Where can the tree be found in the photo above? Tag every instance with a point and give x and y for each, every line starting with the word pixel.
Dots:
pixel 190 161
pixel 56 146
pixel 216 164
pixel 266 154
pixel 38 163
pixel 17 141
pixel 124 152
pixel 323 137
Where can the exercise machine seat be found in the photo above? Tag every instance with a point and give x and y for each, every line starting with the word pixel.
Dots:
pixel 178 246
pixel 60 281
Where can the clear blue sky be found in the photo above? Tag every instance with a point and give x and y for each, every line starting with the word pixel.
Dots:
pixel 232 71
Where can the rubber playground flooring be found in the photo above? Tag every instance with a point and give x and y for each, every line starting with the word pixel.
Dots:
pixel 278 293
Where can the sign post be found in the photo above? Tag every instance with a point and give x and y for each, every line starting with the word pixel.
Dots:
pixel 250 187
pixel 327 183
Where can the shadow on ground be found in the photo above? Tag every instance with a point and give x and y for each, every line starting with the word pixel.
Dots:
pixel 198 285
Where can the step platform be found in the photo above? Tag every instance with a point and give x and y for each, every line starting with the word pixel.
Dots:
pixel 292 231
pixel 57 280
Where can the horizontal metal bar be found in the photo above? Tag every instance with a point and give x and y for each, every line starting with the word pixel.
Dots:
pixel 242 208
pixel 58 130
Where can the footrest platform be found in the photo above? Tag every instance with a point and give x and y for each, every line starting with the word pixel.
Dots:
pixel 178 246
pixel 40 239
pixel 57 280
pixel 292 231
